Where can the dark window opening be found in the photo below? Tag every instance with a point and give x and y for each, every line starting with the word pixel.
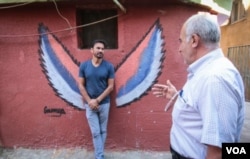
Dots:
pixel 106 30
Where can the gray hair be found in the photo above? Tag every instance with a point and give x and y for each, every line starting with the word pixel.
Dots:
pixel 205 27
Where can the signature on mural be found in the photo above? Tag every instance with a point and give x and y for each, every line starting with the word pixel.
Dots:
pixel 57 112
pixel 61 68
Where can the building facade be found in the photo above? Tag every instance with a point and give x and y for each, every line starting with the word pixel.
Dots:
pixel 236 40
pixel 42 45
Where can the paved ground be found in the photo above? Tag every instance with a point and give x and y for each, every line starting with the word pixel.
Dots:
pixel 78 153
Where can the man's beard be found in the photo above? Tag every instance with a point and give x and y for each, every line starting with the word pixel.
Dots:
pixel 99 55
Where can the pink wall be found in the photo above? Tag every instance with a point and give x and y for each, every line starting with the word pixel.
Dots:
pixel 24 89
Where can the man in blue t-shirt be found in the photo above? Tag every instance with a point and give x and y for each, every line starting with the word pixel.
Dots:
pixel 96 81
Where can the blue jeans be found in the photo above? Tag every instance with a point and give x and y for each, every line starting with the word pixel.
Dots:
pixel 98 121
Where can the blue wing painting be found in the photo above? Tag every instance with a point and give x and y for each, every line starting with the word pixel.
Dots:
pixel 135 75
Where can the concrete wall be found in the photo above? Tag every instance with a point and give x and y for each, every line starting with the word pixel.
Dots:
pixel 25 91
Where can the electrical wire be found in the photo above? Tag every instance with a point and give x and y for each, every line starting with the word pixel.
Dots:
pixel 16 5
pixel 59 13
pixel 62 30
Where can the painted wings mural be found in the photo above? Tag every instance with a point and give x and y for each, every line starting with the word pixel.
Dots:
pixel 136 73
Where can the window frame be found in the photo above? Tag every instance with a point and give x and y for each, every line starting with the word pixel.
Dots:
pixel 82 43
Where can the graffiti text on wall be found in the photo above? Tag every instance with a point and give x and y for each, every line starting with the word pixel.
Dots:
pixel 54 112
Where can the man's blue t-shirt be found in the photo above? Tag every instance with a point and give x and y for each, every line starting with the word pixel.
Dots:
pixel 96 78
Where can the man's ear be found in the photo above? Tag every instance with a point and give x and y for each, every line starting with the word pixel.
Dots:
pixel 195 39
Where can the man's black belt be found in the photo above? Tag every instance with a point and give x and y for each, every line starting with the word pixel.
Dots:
pixel 176 155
